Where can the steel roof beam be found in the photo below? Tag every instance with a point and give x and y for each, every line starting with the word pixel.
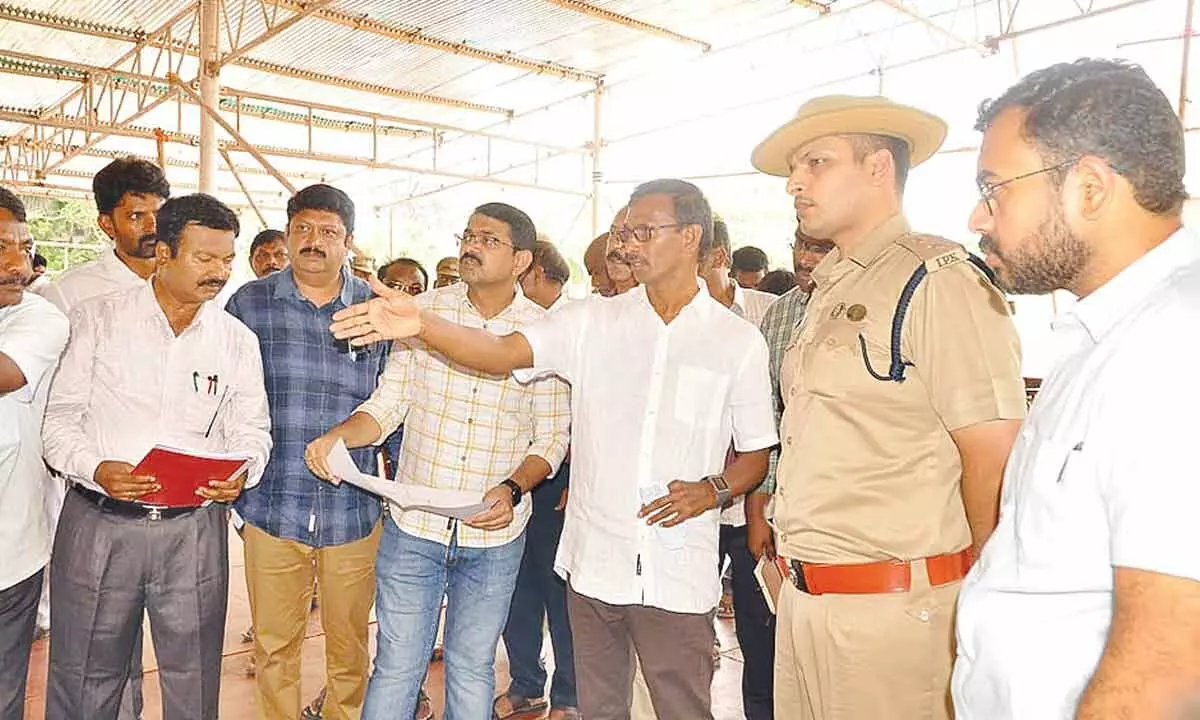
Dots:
pixel 600 13
pixel 16 13
pixel 415 36
pixel 17 114
pixel 979 47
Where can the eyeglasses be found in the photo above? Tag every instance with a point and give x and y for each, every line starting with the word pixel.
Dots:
pixel 642 234
pixel 409 288
pixel 987 190
pixel 821 247
pixel 488 241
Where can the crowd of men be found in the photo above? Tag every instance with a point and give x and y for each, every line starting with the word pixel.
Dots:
pixel 864 433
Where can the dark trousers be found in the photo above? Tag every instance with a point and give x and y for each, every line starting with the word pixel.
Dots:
pixel 541 597
pixel 110 570
pixel 675 650
pixel 754 625
pixel 18 615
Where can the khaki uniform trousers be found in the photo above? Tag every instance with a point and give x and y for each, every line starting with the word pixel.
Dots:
pixel 866 657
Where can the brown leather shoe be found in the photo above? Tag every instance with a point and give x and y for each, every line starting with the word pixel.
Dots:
pixel 564 713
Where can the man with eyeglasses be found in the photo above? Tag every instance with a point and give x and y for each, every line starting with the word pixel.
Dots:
pixel 1086 602
pixel 404 274
pixel 663 378
pixel 479 432
pixel 296 526
pixel 902 396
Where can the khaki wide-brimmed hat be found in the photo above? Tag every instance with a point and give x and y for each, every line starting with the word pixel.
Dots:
pixel 850 115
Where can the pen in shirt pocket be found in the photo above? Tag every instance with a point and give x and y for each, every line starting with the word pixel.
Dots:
pixel 216 411
pixel 1067 461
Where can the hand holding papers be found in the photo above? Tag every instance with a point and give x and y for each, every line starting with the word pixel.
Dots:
pixel 448 503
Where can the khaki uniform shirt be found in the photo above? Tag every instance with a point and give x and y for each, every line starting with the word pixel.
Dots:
pixel 868 470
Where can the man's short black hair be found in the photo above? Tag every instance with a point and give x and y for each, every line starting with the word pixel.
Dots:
pixel 520 225
pixel 10 202
pixel 691 207
pixel 777 282
pixel 197 209
pixel 265 237
pixel 551 261
pixel 382 272
pixel 127 175
pixel 749 259
pixel 901 153
pixel 39 261
pixel 1109 109
pixel 323 197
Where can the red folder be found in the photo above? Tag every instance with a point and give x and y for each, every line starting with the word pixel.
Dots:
pixel 181 472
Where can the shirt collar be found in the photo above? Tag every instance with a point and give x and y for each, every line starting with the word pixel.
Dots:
pixel 146 304
pixel 878 239
pixel 1108 304
pixel 739 299
pixel 114 264
pixel 519 300
pixel 285 286
pixel 702 303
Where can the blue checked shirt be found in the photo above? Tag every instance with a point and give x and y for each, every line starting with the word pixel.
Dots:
pixel 313 383
pixel 779 325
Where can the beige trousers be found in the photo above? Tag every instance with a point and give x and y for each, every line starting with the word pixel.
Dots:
pixel 279 577
pixel 866 657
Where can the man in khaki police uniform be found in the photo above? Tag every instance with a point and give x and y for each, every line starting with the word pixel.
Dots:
pixel 891 459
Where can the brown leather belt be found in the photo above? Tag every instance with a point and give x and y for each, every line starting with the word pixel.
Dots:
pixel 877 577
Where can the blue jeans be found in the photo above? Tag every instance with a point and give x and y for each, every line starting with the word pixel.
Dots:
pixel 412 575
pixel 541 597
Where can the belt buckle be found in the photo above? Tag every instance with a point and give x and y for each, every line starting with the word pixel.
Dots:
pixel 154 513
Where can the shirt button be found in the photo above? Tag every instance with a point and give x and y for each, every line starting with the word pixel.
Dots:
pixel 924 615
pixel 789 440
pixel 470 421
pixel 474 390
pixel 831 342
pixel 464 458
pixel 792 392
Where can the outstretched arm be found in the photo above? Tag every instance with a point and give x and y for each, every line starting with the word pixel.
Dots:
pixel 394 314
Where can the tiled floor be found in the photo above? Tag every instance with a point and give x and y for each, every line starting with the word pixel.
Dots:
pixel 237 690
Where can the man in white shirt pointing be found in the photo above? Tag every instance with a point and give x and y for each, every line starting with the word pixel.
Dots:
pixel 1085 602
pixel 663 379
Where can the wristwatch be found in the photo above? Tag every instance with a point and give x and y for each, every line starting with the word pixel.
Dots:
pixel 724 494
pixel 515 489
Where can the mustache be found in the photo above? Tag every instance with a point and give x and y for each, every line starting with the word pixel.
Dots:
pixel 987 244
pixel 471 256
pixel 215 282
pixel 313 251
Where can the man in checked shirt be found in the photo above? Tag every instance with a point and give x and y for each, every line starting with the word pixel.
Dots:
pixel 463 430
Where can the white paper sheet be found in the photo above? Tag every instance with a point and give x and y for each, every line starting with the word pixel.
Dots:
pixel 447 503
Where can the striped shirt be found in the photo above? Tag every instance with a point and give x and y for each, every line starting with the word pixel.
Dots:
pixel 780 323
pixel 313 383
pixel 463 429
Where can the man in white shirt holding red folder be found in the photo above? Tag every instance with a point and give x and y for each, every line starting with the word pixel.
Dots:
pixel 156 364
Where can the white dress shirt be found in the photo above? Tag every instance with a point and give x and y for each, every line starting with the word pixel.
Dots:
pixel 650 403
pixel 101 276
pixel 127 382
pixel 1102 476
pixel 752 305
pixel 32 334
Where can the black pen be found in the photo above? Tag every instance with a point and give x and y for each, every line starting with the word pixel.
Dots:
pixel 216 411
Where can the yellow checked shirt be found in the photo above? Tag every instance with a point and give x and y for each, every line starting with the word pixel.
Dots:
pixel 463 429
pixel 868 469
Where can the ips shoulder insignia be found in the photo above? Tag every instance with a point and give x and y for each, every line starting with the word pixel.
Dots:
pixel 934 252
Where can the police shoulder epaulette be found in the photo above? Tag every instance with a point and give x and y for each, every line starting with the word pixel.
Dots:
pixel 934 252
